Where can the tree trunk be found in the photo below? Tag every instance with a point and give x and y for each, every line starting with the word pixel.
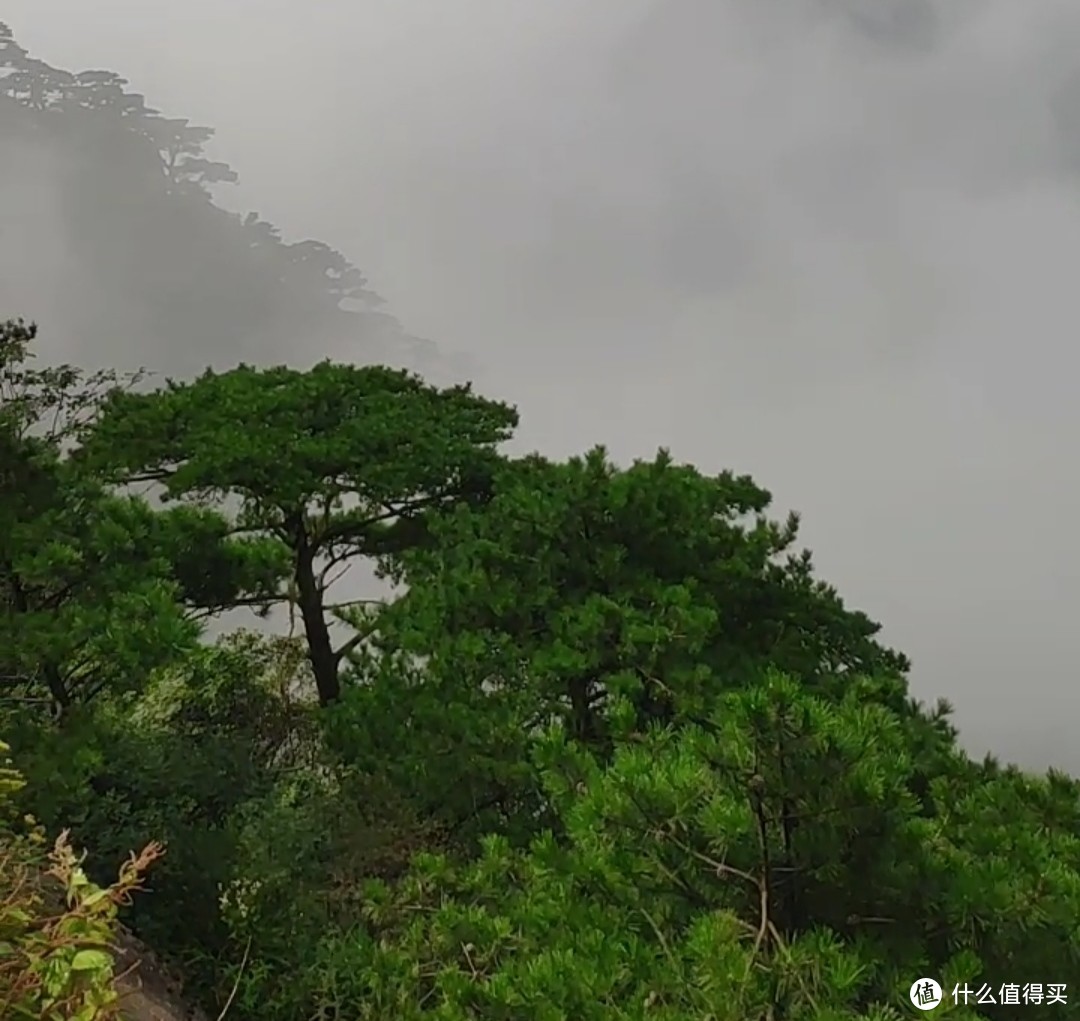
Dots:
pixel 324 664
pixel 582 718
pixel 51 674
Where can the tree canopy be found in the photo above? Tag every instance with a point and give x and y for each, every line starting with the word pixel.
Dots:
pixel 332 464
pixel 96 585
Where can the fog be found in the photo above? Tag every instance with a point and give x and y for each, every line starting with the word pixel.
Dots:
pixel 833 243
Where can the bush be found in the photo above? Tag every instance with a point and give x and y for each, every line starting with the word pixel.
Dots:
pixel 56 926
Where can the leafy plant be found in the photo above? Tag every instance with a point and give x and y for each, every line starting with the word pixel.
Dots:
pixel 56 926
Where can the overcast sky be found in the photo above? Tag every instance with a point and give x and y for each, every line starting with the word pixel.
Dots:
pixel 834 243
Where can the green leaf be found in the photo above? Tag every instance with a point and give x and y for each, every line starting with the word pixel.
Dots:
pixel 91 960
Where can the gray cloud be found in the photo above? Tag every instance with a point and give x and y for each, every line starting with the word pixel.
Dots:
pixel 830 242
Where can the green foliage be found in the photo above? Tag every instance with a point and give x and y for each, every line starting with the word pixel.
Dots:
pixel 86 607
pixel 767 861
pixel 178 764
pixel 94 586
pixel 56 926
pixel 86 601
pixel 282 440
pixel 458 749
pixel 615 754
pixel 583 589
pixel 331 464
pixel 652 582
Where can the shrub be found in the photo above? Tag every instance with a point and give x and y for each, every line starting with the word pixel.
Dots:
pixel 56 926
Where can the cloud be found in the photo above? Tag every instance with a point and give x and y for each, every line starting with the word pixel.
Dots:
pixel 830 242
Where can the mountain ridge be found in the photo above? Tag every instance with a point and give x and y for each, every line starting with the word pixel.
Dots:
pixel 110 236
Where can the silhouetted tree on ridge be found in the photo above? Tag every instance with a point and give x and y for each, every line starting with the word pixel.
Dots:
pixel 162 274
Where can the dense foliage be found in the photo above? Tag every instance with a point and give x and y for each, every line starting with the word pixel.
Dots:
pixel 56 926
pixel 604 748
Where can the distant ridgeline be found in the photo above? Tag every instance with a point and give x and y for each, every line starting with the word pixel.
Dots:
pixel 110 239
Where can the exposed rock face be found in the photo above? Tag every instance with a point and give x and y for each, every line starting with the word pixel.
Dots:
pixel 150 992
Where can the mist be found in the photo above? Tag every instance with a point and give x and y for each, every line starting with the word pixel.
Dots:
pixel 831 243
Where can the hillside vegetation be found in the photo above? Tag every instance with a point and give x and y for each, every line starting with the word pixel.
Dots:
pixel 615 753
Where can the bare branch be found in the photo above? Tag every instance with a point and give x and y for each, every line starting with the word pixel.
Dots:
pixel 352 643
pixel 322 581
pixel 332 607
pixel 346 527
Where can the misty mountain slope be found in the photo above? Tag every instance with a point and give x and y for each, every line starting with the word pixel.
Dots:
pixel 110 238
